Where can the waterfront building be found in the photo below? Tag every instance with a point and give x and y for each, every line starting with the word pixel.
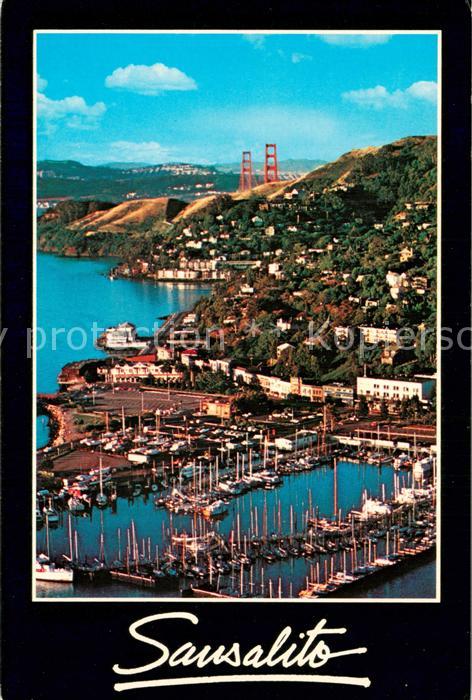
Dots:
pixel 123 336
pixel 221 408
pixel 137 371
pixel 339 392
pixel 312 392
pixel 188 357
pixel 396 389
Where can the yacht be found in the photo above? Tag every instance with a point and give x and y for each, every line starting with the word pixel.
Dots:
pixel 46 571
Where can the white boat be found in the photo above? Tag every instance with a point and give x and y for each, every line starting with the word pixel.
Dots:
pixel 383 561
pixel 76 505
pixel 45 571
pixel 373 507
pixel 51 515
pixel 402 461
pixel 214 509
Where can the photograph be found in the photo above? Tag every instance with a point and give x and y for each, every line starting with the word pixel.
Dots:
pixel 236 310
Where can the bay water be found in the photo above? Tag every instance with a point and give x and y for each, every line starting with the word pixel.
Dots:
pixel 73 294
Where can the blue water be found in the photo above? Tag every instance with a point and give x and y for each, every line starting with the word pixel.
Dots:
pixel 304 490
pixel 418 583
pixel 313 488
pixel 42 431
pixel 73 294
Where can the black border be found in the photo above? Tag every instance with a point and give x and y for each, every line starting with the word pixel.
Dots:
pixel 52 649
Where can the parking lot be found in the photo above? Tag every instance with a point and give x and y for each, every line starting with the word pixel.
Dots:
pixel 135 402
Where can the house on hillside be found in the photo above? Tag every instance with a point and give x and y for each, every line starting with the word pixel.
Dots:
pixel 284 348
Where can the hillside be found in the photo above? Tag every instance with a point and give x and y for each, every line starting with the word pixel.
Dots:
pixel 264 190
pixel 354 244
pixel 70 211
pixel 372 178
pixel 369 185
pixel 126 215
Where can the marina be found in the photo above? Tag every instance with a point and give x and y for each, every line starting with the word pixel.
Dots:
pixel 273 543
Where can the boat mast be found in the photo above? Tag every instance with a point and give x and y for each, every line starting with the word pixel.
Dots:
pixel 335 488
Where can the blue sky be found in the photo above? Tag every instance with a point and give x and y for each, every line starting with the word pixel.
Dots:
pixel 206 97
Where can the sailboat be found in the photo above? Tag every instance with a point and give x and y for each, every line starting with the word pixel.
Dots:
pixel 102 498
pixel 46 570
pixel 51 514
pixel 76 505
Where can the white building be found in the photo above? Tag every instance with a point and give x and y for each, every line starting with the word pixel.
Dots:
pixel 280 387
pixel 373 335
pixel 247 289
pixel 274 268
pixel 395 389
pixel 339 392
pixel 122 337
pixel 138 371
pixel 284 347
pixel 242 373
pixel 221 365
pixel 283 325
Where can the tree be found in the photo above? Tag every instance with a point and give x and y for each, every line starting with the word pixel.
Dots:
pixel 383 409
pixel 363 408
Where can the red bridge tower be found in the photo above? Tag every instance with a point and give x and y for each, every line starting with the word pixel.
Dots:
pixel 271 173
pixel 245 179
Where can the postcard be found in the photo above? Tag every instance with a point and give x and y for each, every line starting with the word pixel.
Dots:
pixel 242 371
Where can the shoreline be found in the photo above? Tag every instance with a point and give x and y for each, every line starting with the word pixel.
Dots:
pixel 61 426
pixel 46 409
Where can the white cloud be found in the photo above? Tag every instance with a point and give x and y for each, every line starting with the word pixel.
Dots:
pixel 299 57
pixel 257 40
pixel 42 83
pixel 355 41
pixel 72 111
pixel 424 90
pixel 149 80
pixel 379 97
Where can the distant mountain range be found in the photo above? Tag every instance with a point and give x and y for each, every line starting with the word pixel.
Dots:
pixel 69 178
pixel 72 169
pixel 117 182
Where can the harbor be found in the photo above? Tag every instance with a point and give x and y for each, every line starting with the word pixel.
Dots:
pixel 279 542
pixel 165 492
